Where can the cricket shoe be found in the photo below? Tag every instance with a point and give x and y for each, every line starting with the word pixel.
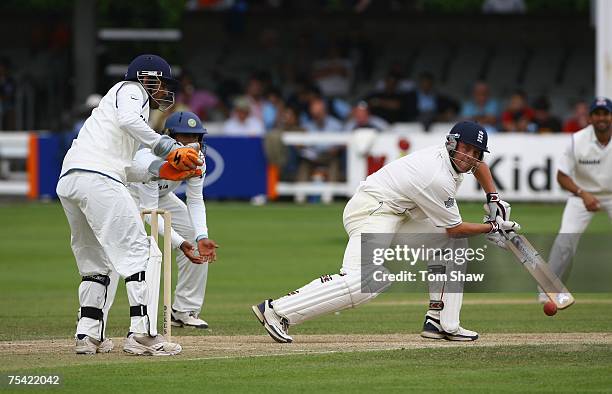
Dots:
pixel 189 319
pixel 432 328
pixel 462 335
pixel 146 345
pixel 88 345
pixel 275 325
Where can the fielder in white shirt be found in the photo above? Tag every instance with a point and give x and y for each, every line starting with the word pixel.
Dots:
pixel 188 221
pixel 414 194
pixel 107 233
pixel 585 171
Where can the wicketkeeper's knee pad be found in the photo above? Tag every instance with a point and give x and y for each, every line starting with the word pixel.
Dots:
pixel 329 293
pixel 92 298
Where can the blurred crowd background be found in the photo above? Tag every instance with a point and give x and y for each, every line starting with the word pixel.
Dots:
pixel 248 67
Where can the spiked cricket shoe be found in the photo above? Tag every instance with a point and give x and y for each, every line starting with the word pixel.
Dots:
pixel 275 325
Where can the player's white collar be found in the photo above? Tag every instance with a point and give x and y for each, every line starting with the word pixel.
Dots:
pixel 594 139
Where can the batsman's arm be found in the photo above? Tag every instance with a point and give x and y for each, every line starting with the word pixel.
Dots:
pixel 467 229
pixel 485 179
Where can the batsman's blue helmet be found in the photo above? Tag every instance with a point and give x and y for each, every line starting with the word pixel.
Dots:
pixel 184 122
pixel 469 133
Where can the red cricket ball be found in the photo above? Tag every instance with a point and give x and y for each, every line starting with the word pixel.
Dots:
pixel 550 308
pixel 403 144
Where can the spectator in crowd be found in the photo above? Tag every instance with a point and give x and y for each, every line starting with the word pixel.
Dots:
pixel 429 105
pixel 317 157
pixel 242 123
pixel 300 99
pixel 404 84
pixel 580 118
pixel 390 103
pixel 199 101
pixel 277 153
pixel 255 93
pixel 289 119
pixel 272 107
pixel 517 115
pixel 362 119
pixel 543 120
pixel 481 108
pixel 7 96
pixel 334 74
pixel 319 119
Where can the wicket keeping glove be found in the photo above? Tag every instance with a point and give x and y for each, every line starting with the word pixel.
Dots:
pixel 166 171
pixel 184 158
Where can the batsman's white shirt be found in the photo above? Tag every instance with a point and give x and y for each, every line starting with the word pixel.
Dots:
pixel 422 184
pixel 110 137
pixel 588 162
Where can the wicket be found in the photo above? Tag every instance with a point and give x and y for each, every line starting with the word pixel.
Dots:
pixel 167 262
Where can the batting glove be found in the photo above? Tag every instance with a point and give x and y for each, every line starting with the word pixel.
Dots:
pixel 500 224
pixel 497 207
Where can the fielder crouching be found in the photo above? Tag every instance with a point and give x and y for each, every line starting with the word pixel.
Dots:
pixel 188 220
pixel 414 194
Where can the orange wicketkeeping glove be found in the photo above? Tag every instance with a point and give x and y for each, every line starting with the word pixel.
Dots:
pixel 184 159
pixel 166 171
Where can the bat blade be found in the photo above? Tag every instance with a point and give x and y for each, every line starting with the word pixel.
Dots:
pixel 529 257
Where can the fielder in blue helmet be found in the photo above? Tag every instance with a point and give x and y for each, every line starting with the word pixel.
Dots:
pixel 186 128
pixel 466 144
pixel 155 75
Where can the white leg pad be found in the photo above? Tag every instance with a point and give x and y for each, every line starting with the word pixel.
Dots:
pixel 329 293
pixel 445 299
pixel 153 278
pixel 140 295
pixel 110 296
pixel 92 297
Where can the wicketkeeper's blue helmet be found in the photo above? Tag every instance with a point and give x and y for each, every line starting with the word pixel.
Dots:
pixel 184 122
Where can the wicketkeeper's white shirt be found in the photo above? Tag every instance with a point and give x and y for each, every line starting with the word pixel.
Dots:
pixel 422 184
pixel 588 163
pixel 110 137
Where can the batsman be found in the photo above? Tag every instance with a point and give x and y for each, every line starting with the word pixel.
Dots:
pixel 414 194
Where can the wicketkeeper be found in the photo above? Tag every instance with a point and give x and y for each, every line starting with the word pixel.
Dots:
pixel 107 233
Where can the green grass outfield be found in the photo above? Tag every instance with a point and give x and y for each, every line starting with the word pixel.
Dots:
pixel 266 252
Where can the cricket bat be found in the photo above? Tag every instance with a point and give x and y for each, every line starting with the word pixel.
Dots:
pixel 529 257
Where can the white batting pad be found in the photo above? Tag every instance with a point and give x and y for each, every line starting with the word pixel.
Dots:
pixel 329 293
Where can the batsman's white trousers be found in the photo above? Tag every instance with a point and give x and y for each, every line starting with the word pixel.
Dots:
pixel 575 220
pixel 362 214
